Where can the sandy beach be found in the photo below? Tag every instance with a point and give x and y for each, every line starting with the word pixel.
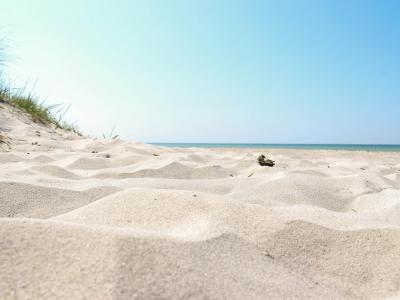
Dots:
pixel 84 218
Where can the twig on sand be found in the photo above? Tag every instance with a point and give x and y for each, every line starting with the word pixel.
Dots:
pixel 354 210
pixel 252 172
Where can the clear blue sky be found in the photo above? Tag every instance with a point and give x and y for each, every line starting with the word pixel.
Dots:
pixel 214 71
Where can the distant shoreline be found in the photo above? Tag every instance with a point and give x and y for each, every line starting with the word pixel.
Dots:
pixel 349 147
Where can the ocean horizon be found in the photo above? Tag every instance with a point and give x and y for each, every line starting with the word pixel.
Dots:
pixel 349 147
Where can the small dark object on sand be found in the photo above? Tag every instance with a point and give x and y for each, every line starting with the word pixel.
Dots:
pixel 155 154
pixel 263 161
pixel 108 155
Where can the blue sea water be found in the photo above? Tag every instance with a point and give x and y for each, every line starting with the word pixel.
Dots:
pixel 355 147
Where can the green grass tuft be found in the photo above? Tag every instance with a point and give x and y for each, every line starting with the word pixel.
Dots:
pixel 38 111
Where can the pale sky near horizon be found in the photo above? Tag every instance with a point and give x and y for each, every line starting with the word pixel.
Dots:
pixel 214 71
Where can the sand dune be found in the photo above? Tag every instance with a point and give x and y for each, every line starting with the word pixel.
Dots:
pixel 85 218
pixel 174 170
pixel 32 201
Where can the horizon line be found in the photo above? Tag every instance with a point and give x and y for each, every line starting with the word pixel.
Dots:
pixel 247 143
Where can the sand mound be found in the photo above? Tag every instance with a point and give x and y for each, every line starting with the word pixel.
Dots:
pixel 175 170
pixel 55 171
pixel 43 159
pixel 98 163
pixel 373 202
pixel 333 192
pixel 24 200
pixel 90 163
pixel 10 158
pixel 307 249
pixel 127 267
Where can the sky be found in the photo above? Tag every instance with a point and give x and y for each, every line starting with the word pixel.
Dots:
pixel 213 71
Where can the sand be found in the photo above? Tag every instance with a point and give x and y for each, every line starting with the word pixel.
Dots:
pixel 84 218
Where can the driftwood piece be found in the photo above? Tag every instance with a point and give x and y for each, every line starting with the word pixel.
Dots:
pixel 263 161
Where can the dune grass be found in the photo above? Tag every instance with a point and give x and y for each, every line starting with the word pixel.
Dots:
pixel 37 110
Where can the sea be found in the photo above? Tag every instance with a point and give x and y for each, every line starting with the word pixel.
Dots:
pixel 349 147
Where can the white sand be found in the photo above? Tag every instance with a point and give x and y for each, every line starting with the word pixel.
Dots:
pixel 191 223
